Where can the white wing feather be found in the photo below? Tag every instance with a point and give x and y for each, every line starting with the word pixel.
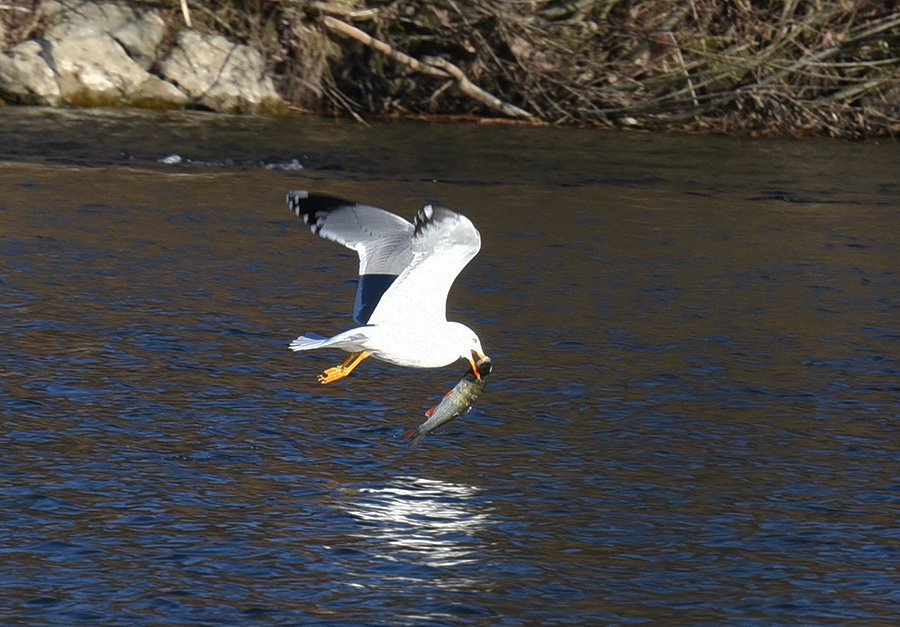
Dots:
pixel 442 244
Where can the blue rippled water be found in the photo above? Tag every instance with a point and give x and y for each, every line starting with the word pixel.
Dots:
pixel 693 418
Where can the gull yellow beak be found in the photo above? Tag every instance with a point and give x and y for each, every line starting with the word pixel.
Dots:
pixel 476 356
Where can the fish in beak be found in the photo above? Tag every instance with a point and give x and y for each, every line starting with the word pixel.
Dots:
pixel 474 361
pixel 457 402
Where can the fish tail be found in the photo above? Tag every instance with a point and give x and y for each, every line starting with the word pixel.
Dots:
pixel 414 436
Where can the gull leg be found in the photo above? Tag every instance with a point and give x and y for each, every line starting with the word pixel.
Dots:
pixel 339 372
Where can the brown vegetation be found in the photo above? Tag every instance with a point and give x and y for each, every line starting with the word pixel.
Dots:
pixel 745 66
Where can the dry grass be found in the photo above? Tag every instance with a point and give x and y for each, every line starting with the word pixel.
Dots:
pixel 777 67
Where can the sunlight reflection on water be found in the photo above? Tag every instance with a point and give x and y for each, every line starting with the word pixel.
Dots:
pixel 432 521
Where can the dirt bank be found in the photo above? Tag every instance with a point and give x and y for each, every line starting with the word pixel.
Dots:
pixel 773 67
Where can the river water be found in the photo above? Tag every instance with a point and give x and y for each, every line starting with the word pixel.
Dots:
pixel 693 417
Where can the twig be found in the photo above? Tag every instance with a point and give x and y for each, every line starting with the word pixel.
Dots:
pixel 829 52
pixel 211 15
pixel 668 24
pixel 610 4
pixel 380 46
pixel 434 66
pixel 854 90
pixel 339 98
pixel 477 93
pixel 687 76
pixel 326 8
pixel 186 13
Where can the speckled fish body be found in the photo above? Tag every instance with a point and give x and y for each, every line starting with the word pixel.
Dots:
pixel 456 403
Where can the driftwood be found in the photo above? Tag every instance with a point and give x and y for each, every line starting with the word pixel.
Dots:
pixel 433 66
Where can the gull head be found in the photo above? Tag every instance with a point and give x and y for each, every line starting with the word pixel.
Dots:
pixel 469 345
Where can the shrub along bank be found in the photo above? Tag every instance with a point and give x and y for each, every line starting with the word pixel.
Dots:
pixel 798 67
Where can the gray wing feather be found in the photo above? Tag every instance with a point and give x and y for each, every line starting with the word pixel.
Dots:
pixel 382 239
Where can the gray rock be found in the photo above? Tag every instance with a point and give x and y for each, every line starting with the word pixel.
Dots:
pixel 220 75
pixel 96 70
pixel 88 58
pixel 26 77
pixel 100 54
pixel 141 38
pixel 139 32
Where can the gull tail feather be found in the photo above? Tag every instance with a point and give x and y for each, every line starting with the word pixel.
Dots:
pixel 308 342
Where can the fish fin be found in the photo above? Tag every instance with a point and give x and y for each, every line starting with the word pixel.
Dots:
pixel 448 394
pixel 430 412
pixel 414 436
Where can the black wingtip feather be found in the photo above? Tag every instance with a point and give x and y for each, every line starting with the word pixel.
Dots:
pixel 312 208
pixel 295 199
pixel 431 214
pixel 423 218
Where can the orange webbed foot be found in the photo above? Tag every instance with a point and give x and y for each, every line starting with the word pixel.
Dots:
pixel 339 372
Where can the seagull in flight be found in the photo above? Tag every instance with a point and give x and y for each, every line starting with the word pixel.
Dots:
pixel 405 272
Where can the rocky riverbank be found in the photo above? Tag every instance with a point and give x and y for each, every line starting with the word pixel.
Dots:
pixel 118 54
pixel 760 68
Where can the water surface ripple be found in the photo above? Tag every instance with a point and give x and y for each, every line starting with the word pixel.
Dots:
pixel 693 418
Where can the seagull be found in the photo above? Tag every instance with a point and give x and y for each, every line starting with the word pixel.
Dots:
pixel 405 272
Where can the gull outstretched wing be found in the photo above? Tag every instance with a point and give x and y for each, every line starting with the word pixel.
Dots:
pixel 383 240
pixel 443 242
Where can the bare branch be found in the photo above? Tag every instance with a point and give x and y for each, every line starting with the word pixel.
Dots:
pixel 434 66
